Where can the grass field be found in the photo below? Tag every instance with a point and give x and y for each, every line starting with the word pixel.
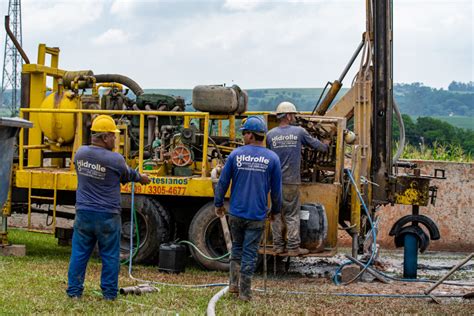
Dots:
pixel 4 112
pixel 36 284
pixel 458 121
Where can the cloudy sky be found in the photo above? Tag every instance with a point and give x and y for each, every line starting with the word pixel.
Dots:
pixel 256 43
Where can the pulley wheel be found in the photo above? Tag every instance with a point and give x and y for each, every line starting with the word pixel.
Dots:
pixel 181 156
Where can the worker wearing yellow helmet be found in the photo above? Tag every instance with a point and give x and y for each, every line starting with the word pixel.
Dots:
pixel 98 206
pixel 286 140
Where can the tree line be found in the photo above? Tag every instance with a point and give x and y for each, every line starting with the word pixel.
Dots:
pixel 426 131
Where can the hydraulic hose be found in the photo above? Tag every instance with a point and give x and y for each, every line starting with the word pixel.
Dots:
pixel 131 255
pixel 202 253
pixel 363 294
pixel 126 81
pixel 401 127
pixel 374 237
pixel 133 218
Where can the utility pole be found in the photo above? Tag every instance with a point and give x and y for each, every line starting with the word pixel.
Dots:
pixel 12 61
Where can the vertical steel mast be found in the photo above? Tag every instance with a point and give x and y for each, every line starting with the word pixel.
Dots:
pixel 12 60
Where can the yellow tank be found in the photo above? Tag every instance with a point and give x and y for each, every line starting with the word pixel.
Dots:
pixel 59 127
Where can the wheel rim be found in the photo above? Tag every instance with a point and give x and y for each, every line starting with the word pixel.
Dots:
pixel 142 232
pixel 215 241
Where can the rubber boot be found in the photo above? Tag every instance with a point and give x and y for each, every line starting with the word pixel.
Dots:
pixel 245 293
pixel 234 276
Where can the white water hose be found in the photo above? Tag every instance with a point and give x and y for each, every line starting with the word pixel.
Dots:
pixel 211 306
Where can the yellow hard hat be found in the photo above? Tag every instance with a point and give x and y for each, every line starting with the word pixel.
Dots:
pixel 104 124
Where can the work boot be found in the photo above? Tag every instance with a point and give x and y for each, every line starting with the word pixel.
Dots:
pixel 277 250
pixel 245 288
pixel 234 276
pixel 297 252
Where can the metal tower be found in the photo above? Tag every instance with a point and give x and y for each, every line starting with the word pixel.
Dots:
pixel 12 61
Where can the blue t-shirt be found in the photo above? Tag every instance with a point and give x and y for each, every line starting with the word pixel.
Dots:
pixel 254 171
pixel 99 174
pixel 286 142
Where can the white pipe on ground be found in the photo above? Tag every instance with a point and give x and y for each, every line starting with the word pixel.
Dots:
pixel 211 307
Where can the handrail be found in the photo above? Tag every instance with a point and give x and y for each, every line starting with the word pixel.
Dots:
pixel 119 112
pixel 141 114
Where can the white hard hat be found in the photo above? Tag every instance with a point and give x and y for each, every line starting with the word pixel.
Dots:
pixel 285 108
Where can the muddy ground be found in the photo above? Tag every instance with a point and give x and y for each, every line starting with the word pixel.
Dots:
pixel 319 272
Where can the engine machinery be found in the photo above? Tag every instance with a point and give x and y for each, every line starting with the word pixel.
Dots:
pixel 179 148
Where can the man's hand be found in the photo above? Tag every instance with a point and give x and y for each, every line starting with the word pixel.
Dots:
pixel 144 179
pixel 220 211
pixel 327 141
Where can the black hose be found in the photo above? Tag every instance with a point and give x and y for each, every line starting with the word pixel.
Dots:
pixel 136 89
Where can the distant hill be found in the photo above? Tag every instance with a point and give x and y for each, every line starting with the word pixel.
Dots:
pixel 414 99
pixel 266 99
pixel 455 105
pixel 417 99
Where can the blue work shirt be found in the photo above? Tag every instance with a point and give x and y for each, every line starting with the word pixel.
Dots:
pixel 99 174
pixel 255 171
pixel 286 142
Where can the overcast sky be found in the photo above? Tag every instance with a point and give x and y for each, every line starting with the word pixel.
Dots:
pixel 256 44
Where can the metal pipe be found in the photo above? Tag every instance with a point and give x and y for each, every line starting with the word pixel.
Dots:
pixel 369 270
pixel 337 84
pixel 355 244
pixel 138 290
pixel 14 40
pixel 118 112
pixel 410 256
pixel 454 269
pixel 351 61
pixel 4 231
pixel 205 146
pixel 141 141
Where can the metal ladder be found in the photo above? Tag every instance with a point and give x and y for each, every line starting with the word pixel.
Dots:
pixel 42 198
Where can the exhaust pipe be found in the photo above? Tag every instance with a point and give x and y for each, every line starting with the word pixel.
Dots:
pixel 14 40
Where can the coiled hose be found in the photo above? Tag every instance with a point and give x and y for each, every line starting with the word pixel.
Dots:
pixel 131 254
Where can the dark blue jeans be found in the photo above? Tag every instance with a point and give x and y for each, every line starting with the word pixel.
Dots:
pixel 91 228
pixel 246 235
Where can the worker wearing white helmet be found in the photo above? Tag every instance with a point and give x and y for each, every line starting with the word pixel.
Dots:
pixel 286 141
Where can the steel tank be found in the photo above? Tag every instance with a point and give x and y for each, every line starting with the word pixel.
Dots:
pixel 220 99
pixel 59 128
pixel 313 227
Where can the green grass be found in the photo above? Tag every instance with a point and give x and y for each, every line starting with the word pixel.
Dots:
pixel 4 112
pixel 466 122
pixel 439 152
pixel 36 284
pixel 458 121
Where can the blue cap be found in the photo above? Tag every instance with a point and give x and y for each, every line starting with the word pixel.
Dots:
pixel 254 124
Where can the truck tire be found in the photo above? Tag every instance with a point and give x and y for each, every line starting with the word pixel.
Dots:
pixel 154 229
pixel 206 233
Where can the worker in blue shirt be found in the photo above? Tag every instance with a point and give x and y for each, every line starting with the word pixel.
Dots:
pixel 99 174
pixel 254 171
pixel 286 140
